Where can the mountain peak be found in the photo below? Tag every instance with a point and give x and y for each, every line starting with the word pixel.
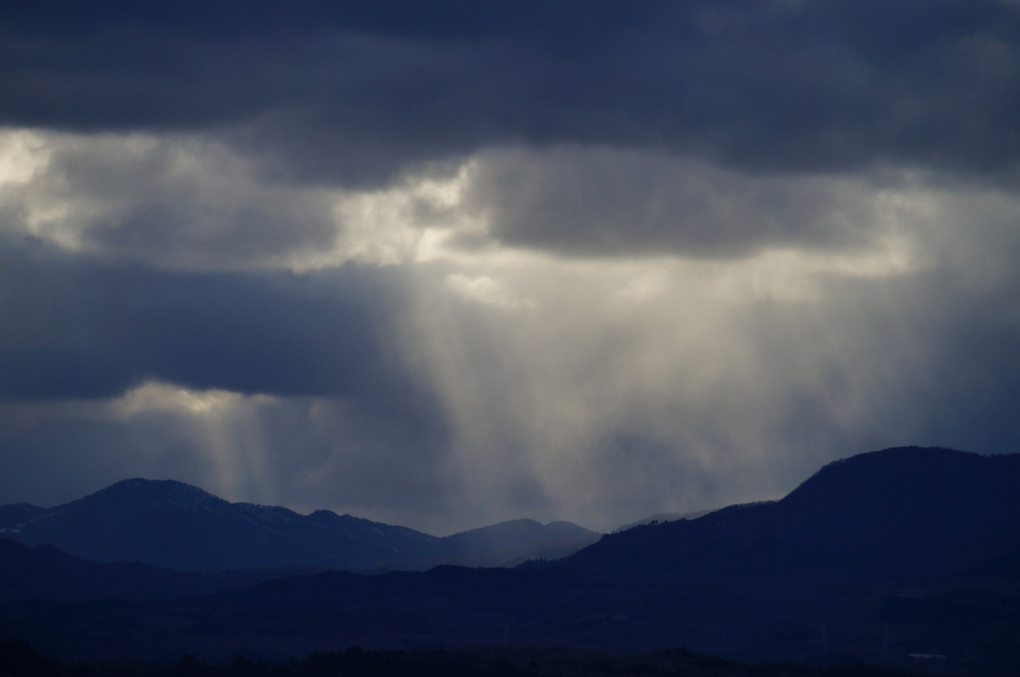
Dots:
pixel 897 471
pixel 145 483
pixel 171 492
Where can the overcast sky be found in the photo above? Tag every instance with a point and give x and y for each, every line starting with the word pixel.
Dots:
pixel 442 264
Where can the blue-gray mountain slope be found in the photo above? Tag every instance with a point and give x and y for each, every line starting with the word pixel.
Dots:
pixel 175 525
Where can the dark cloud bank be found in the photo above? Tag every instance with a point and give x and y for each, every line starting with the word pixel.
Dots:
pixel 79 327
pixel 359 92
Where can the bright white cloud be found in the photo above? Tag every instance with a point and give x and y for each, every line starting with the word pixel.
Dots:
pixel 484 289
pixel 163 397
pixel 170 201
pixel 389 226
pixel 20 157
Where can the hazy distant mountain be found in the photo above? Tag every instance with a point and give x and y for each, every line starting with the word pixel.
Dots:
pixel 900 512
pixel 515 541
pixel 175 525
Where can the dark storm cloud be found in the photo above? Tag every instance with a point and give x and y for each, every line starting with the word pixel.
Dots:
pixel 359 91
pixel 601 202
pixel 78 327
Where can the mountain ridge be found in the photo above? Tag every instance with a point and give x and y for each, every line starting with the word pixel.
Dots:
pixel 167 523
pixel 895 511
pixel 767 582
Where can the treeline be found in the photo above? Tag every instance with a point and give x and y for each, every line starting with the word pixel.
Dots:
pixel 18 659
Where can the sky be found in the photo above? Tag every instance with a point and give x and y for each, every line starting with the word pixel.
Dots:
pixel 444 264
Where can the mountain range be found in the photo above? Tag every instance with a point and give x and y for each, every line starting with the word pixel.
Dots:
pixel 908 558
pixel 165 523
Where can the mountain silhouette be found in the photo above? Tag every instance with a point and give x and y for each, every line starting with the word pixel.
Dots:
pixel 889 558
pixel 170 524
pixel 902 512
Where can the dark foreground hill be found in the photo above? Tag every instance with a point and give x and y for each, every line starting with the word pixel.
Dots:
pixel 17 658
pixel 904 558
pixel 175 525
pixel 967 628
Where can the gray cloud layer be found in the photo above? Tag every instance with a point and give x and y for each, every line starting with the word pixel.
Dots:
pixel 605 202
